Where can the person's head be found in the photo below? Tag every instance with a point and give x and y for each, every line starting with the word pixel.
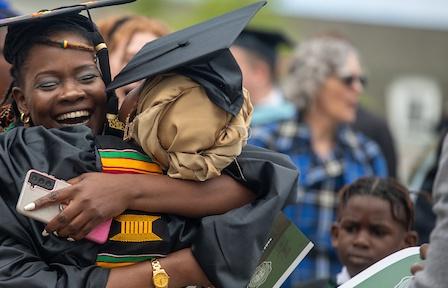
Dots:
pixel 125 36
pixel 5 76
pixel 256 53
pixel 256 71
pixel 375 219
pixel 326 77
pixel 57 81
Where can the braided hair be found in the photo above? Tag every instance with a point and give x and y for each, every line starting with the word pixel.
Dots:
pixel 387 189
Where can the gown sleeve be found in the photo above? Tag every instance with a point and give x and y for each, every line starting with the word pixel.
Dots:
pixel 27 259
pixel 228 246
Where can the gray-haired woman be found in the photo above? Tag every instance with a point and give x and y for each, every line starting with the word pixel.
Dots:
pixel 324 81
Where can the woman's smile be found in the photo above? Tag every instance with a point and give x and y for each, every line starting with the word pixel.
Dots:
pixel 74 118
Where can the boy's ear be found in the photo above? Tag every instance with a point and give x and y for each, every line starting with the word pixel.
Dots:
pixel 335 235
pixel 19 97
pixel 410 239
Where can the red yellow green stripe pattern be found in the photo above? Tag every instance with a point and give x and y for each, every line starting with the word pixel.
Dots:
pixel 127 162
pixel 113 261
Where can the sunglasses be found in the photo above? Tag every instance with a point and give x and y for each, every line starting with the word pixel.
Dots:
pixel 350 79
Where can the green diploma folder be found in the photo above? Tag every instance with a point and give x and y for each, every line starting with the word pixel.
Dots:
pixel 394 271
pixel 285 248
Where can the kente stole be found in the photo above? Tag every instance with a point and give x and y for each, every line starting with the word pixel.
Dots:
pixel 134 236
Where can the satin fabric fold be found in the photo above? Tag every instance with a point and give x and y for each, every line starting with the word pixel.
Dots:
pixel 186 133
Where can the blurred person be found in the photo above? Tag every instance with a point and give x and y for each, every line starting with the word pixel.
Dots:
pixel 422 181
pixel 256 53
pixel 377 129
pixel 5 78
pixel 6 115
pixel 433 273
pixel 124 37
pixel 324 83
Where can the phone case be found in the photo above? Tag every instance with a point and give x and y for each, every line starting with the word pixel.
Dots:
pixel 100 233
pixel 37 184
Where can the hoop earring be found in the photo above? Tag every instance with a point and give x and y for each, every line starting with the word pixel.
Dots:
pixel 25 119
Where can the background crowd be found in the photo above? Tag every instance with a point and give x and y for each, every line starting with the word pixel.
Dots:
pixel 352 199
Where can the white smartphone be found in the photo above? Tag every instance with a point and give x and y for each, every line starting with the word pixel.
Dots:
pixel 38 184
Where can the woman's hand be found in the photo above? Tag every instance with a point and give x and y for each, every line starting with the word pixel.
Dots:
pixel 181 267
pixel 421 265
pixel 92 199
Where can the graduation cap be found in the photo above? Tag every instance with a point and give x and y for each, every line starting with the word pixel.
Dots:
pixel 263 43
pixel 64 10
pixel 199 52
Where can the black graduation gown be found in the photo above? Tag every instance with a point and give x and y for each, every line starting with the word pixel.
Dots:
pixel 27 259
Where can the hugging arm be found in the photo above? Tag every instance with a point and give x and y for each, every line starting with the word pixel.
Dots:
pixel 90 206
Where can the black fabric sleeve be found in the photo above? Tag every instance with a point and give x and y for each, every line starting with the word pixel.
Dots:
pixel 228 246
pixel 27 259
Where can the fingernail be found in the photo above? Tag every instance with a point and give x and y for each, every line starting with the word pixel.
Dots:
pixel 29 207
pixel 56 234
pixel 70 239
pixel 45 233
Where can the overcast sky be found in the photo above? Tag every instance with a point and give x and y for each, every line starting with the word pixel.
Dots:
pixel 432 14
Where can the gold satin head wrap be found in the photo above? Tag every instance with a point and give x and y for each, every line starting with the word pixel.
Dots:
pixel 187 134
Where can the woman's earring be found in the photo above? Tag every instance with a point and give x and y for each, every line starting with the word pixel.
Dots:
pixel 25 119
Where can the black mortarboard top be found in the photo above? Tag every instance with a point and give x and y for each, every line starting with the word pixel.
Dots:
pixel 199 52
pixel 264 43
pixel 76 8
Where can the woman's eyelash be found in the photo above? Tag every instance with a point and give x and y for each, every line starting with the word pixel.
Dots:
pixel 46 85
pixel 88 77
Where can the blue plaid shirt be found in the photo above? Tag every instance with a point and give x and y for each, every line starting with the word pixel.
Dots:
pixel 320 179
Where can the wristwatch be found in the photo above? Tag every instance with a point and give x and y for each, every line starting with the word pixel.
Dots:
pixel 159 276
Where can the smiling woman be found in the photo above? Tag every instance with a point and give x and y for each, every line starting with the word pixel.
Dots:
pixel 61 92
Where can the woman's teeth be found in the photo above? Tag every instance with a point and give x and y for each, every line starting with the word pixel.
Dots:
pixel 72 115
pixel 74 118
